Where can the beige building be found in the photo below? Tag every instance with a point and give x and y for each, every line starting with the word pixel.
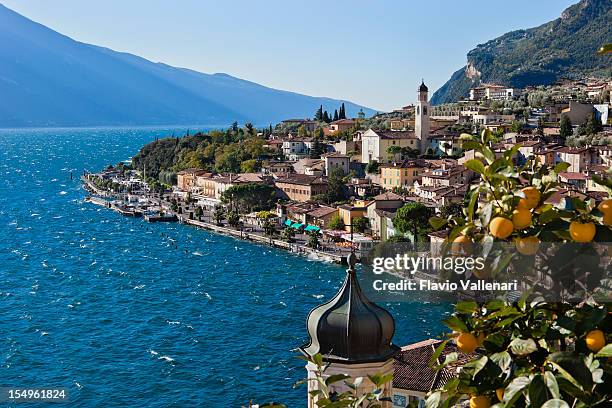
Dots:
pixel 336 161
pixel 186 179
pixel 301 187
pixel 375 144
pixel 341 125
pixel 402 175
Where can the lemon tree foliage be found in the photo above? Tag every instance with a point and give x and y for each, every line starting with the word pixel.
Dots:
pixel 532 353
pixel 329 392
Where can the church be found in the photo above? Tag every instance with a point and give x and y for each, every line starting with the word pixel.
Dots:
pixel 355 337
pixel 375 144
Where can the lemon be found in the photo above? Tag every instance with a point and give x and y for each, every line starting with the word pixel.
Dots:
pixel 501 227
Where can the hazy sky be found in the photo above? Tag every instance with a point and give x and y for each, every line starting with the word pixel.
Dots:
pixel 371 52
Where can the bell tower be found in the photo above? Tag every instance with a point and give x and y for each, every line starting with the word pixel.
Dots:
pixel 353 336
pixel 421 117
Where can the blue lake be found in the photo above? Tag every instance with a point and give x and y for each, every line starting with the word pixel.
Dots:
pixel 125 313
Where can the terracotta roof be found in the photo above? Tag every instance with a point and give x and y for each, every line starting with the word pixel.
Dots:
pixel 302 179
pixel 388 196
pixel 573 176
pixel 322 211
pixel 413 372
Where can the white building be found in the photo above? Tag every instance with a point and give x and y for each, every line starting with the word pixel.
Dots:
pixel 491 92
pixel 336 161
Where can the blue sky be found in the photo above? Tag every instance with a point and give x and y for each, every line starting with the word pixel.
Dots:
pixel 370 52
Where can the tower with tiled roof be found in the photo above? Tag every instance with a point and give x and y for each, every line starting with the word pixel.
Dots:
pixel 421 117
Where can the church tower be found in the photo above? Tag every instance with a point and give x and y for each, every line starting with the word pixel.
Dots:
pixel 421 118
pixel 353 336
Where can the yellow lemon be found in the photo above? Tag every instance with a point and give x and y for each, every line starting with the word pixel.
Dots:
pixel 532 197
pixel 521 218
pixel 528 245
pixel 501 227
pixel 500 394
pixel 461 245
pixel 467 342
pixel 582 232
pixel 595 340
pixel 480 401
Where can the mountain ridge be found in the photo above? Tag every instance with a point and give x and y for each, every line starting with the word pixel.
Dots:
pixel 564 47
pixel 48 79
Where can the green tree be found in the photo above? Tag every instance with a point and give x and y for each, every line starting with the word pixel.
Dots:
pixel 288 234
pixel 360 224
pixel 451 210
pixel 219 214
pixel 317 148
pixel 372 167
pixel 361 114
pixel 412 218
pixel 336 223
pixel 199 212
pixel 313 239
pixel 249 197
pixel 233 219
pixel 335 115
pixel 326 117
pixel 319 114
pixel 393 151
pixel 565 127
pixel 342 114
pixel 593 124
pixel 336 188
pixel 540 129
pixel 250 166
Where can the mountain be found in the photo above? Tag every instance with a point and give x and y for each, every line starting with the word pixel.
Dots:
pixel 48 79
pixel 565 47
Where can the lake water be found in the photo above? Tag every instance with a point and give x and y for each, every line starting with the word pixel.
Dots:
pixel 125 313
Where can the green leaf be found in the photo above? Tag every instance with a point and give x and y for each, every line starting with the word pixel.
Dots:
pixel 488 154
pixel 476 366
pixel 456 324
pixel 514 389
pixel 335 378
pixel 471 145
pixel 551 383
pixel 433 401
pixel 437 222
pixel 561 167
pixel 555 403
pixel 572 368
pixel 475 165
pixel 503 360
pixel 537 391
pixel 434 358
pixel 466 307
pixel 523 347
pixel 605 352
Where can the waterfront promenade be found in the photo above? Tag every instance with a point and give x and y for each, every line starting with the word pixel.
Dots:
pixel 249 232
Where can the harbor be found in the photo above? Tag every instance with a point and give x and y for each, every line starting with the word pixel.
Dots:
pixel 153 208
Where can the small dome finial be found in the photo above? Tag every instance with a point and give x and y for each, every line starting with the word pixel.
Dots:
pixel 351 260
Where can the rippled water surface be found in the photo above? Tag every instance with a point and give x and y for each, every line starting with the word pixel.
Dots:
pixel 124 313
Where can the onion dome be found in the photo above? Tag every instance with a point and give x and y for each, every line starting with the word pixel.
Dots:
pixel 423 87
pixel 350 329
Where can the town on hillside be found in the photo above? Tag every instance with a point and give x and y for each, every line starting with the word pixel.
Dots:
pixel 331 184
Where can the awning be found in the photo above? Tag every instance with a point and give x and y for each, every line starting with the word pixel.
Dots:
pixel 312 228
pixel 297 225
pixel 288 222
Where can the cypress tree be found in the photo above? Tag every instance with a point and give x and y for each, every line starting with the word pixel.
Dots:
pixel 326 117
pixel 336 114
pixel 319 114
pixel 342 111
pixel 565 127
